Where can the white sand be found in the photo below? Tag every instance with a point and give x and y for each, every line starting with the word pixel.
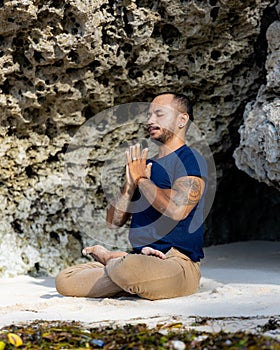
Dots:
pixel 239 280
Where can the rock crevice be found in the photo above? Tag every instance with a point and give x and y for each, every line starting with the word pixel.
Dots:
pixel 63 62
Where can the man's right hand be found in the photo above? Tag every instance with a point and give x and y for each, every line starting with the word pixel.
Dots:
pixel 129 180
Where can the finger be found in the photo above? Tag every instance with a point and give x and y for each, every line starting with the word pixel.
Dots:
pixel 144 153
pixel 162 256
pixel 86 251
pixel 149 170
pixel 127 174
pixel 133 152
pixel 159 254
pixel 138 151
pixel 128 157
pixel 146 250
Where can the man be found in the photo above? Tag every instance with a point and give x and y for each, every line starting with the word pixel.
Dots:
pixel 165 197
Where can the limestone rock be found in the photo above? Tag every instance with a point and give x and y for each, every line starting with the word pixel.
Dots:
pixel 259 151
pixel 63 62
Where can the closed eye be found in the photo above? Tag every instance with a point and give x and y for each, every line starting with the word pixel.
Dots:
pixel 158 112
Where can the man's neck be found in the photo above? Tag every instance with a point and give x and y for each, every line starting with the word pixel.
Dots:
pixel 170 146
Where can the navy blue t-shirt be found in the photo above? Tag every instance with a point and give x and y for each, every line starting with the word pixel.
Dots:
pixel 151 228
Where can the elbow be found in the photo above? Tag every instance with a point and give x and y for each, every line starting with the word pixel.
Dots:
pixel 112 226
pixel 109 225
pixel 177 217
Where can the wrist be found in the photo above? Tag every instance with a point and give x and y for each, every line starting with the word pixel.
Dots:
pixel 140 178
pixel 128 189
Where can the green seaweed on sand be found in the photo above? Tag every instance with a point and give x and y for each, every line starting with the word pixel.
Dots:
pixel 75 335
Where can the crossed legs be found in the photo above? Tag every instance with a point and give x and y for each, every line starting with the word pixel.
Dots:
pixel 147 276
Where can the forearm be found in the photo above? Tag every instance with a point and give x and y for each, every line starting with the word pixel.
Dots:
pixel 157 197
pixel 118 211
pixel 176 202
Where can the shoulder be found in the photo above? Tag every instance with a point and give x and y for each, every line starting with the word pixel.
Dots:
pixel 189 154
pixel 186 151
pixel 193 161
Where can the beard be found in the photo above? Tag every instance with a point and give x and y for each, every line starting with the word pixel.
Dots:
pixel 164 137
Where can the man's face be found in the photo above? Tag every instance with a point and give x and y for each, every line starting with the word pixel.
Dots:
pixel 162 118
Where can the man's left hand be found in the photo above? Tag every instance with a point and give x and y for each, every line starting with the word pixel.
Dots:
pixel 154 252
pixel 136 162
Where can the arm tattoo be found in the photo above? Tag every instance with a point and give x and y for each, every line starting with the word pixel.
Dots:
pixel 188 191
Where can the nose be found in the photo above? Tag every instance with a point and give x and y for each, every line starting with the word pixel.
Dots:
pixel 151 118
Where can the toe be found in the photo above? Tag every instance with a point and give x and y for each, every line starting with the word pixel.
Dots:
pixel 86 251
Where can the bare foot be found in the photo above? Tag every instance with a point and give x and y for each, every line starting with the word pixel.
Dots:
pixel 101 254
pixel 152 251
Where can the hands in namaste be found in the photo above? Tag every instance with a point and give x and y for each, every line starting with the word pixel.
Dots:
pixel 136 166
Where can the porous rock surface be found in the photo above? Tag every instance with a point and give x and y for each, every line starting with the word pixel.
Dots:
pixel 259 150
pixel 62 62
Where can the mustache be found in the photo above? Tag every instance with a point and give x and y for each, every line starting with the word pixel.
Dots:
pixel 148 127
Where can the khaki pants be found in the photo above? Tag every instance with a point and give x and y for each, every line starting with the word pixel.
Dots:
pixel 146 276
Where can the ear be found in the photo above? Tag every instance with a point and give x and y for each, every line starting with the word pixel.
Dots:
pixel 183 119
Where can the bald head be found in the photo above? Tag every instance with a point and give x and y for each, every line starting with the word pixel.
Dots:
pixel 179 102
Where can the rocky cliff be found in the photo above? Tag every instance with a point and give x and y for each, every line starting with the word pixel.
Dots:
pixel 64 62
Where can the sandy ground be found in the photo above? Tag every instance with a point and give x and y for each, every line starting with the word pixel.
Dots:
pixel 240 288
